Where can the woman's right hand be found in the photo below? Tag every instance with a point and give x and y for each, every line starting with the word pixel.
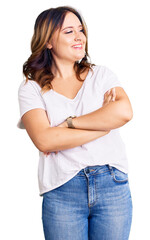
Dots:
pixel 48 153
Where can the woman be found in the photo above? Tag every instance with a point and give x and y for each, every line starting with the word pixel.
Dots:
pixel 72 110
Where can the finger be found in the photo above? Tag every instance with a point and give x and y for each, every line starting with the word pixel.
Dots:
pixel 113 94
pixel 47 153
pixel 107 99
pixel 108 92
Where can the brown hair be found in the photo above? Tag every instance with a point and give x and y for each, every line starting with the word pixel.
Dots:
pixel 38 65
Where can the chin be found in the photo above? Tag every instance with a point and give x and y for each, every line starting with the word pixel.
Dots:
pixel 78 58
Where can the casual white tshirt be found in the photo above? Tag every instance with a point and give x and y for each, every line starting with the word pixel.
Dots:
pixel 56 169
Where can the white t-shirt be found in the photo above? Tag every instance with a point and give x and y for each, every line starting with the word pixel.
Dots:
pixel 56 169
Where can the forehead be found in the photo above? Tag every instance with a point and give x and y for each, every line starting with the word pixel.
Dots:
pixel 71 20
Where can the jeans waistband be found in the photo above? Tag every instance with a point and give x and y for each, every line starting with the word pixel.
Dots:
pixel 91 170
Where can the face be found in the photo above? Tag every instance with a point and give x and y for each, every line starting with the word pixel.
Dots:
pixel 69 43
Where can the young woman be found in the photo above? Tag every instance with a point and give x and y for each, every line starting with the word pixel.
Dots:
pixel 72 111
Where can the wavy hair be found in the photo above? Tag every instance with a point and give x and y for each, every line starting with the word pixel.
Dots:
pixel 38 66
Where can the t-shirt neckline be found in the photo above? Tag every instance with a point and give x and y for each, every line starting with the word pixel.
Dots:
pixel 78 93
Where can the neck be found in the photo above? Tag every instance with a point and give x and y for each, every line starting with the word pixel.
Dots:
pixel 62 70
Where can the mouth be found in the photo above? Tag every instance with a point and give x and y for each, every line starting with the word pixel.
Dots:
pixel 77 46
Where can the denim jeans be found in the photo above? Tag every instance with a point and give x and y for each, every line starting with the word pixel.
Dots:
pixel 96 204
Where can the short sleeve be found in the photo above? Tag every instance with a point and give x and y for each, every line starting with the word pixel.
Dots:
pixel 109 80
pixel 29 97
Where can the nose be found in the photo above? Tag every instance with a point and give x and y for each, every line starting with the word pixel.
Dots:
pixel 77 36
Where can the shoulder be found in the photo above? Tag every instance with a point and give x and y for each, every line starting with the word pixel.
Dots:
pixel 98 72
pixel 102 73
pixel 102 69
pixel 28 87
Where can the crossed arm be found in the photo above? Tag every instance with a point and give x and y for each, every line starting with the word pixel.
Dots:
pixel 110 116
pixel 89 127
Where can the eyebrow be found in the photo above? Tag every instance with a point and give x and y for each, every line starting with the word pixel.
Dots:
pixel 71 27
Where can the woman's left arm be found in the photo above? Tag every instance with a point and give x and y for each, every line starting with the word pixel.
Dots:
pixel 110 116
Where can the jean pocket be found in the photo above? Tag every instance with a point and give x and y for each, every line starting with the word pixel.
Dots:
pixel 119 176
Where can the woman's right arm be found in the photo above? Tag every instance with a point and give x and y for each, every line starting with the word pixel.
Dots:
pixel 51 139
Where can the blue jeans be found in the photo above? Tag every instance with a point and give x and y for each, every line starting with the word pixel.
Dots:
pixel 96 204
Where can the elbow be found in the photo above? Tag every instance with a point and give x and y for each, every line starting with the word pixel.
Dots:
pixel 126 111
pixel 42 148
pixel 47 140
pixel 42 144
pixel 129 115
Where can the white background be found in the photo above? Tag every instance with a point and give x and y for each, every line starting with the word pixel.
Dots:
pixel 119 38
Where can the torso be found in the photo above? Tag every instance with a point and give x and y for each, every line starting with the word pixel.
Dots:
pixel 68 88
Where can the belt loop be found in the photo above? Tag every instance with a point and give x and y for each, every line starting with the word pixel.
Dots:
pixel 85 172
pixel 111 169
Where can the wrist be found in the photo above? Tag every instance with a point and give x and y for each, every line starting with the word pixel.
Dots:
pixel 69 122
pixel 65 124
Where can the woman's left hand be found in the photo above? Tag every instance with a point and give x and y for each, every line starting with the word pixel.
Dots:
pixel 109 96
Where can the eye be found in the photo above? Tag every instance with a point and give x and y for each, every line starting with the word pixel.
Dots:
pixel 68 32
pixel 82 30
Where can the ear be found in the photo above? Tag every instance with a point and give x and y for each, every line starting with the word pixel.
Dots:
pixel 49 45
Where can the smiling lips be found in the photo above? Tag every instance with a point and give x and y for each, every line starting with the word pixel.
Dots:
pixel 77 46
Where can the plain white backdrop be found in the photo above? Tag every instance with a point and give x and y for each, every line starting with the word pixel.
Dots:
pixel 119 38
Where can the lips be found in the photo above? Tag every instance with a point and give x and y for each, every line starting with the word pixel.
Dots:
pixel 77 46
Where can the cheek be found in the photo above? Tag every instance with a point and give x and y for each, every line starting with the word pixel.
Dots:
pixel 65 42
pixel 69 40
pixel 84 38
